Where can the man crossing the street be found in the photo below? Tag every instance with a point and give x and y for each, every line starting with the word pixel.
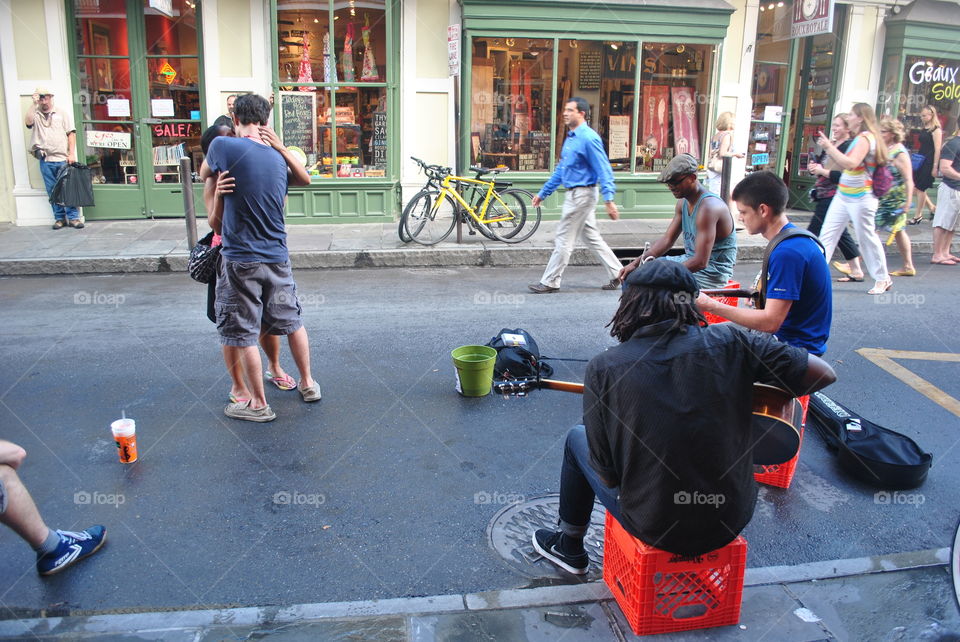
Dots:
pixel 583 165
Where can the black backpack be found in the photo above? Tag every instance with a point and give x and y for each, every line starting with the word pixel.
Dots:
pixel 873 454
pixel 518 356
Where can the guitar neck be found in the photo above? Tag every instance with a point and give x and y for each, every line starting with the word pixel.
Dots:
pixel 564 386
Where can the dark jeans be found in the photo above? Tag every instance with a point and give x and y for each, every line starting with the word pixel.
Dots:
pixel 580 484
pixel 49 171
pixel 847 246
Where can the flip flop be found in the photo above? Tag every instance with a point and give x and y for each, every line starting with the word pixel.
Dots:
pixel 842 268
pixel 236 399
pixel 947 262
pixel 286 382
pixel 850 279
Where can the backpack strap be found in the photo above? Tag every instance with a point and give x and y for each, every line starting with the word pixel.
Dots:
pixel 781 236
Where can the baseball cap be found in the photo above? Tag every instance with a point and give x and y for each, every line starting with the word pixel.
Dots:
pixel 679 165
pixel 43 90
pixel 665 275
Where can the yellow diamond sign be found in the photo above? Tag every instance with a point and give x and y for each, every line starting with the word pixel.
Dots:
pixel 169 73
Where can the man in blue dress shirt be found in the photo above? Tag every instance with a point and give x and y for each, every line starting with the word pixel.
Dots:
pixel 583 166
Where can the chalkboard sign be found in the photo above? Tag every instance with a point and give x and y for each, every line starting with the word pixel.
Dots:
pixel 590 70
pixel 380 139
pixel 298 117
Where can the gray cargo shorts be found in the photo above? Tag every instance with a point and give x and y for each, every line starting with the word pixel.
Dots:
pixel 252 296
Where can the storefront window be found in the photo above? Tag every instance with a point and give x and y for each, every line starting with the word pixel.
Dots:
pixel 770 78
pixel 929 81
pixel 674 102
pixel 332 98
pixel 510 97
pixel 512 84
pixel 814 99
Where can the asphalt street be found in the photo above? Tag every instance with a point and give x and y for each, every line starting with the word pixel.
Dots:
pixel 385 488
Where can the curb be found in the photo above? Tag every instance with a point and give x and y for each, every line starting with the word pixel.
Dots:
pixel 106 623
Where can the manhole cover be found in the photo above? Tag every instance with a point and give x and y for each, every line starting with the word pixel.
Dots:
pixel 511 530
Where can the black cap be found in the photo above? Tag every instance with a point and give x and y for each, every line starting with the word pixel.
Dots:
pixel 665 275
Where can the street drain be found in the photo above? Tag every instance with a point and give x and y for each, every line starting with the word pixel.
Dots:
pixel 510 532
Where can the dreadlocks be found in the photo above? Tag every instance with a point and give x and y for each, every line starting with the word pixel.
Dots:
pixel 641 306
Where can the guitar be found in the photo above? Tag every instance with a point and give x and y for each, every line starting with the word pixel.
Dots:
pixel 775 426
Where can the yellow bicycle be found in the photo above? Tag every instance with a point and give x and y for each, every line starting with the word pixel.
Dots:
pixel 497 211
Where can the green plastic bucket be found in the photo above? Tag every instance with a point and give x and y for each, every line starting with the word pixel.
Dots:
pixel 474 369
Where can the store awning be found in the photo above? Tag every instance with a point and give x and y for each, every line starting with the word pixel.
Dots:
pixel 691 20
pixel 925 27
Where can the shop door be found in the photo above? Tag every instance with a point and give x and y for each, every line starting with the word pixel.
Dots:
pixel 138 102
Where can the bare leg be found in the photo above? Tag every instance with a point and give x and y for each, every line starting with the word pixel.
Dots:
pixel 300 347
pixel 21 515
pixel 856 269
pixel 253 370
pixel 238 387
pixel 941 245
pixel 271 347
pixel 903 244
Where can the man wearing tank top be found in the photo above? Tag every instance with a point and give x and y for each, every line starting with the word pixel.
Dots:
pixel 709 235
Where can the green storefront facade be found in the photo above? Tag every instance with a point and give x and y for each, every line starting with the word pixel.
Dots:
pixel 523 58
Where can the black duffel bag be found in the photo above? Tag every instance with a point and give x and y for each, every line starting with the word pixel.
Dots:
pixel 873 454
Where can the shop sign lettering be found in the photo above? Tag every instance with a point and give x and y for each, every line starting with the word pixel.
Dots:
pixel 174 130
pixel 922 72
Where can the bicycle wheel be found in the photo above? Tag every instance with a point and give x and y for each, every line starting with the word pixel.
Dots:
pixel 413 204
pixel 427 223
pixel 525 218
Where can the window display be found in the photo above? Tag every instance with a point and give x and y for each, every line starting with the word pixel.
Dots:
pixel 331 82
pixel 512 87
pixel 929 81
pixel 770 78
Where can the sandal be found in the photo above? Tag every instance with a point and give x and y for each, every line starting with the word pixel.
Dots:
pixel 916 220
pixel 285 382
pixel 235 399
pixel 880 287
pixel 842 268
pixel 850 279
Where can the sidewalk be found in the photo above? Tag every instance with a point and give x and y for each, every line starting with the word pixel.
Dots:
pixel 904 596
pixel 161 246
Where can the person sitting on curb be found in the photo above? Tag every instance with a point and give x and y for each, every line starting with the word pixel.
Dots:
pixel 799 300
pixel 709 231
pixel 56 550
pixel 688 435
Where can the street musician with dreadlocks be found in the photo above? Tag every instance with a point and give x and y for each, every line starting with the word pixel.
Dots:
pixel 665 444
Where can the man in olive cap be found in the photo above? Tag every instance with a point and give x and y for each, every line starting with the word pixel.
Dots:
pixel 53 140
pixel 709 231
pixel 666 440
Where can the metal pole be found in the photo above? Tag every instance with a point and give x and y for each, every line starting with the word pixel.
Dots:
pixel 725 177
pixel 456 147
pixel 186 181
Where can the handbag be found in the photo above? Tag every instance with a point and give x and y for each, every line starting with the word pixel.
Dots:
pixel 882 180
pixel 73 186
pixel 204 259
pixel 917 160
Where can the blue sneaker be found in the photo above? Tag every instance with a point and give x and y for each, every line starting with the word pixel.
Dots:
pixel 73 548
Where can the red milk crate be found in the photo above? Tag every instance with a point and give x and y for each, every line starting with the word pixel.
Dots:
pixel 660 592
pixel 780 475
pixel 729 300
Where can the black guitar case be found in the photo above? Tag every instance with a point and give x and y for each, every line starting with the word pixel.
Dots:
pixel 873 454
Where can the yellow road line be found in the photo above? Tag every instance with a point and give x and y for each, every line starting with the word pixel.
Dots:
pixel 884 359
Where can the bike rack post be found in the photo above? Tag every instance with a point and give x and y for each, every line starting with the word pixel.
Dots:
pixel 726 175
pixel 186 181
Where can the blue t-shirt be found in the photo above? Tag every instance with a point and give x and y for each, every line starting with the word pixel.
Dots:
pixel 798 272
pixel 253 228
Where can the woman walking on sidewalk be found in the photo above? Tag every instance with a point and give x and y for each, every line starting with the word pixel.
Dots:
pixel 931 141
pixel 828 175
pixel 894 205
pixel 855 200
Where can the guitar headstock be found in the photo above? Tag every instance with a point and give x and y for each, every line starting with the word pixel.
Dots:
pixel 515 387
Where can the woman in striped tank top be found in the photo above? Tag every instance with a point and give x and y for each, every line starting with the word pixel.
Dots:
pixel 855 201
